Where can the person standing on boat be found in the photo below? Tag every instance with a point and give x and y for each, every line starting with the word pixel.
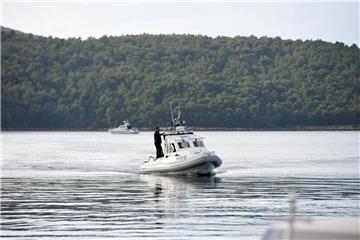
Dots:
pixel 157 141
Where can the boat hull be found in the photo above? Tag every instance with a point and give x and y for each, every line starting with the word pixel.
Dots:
pixel 200 164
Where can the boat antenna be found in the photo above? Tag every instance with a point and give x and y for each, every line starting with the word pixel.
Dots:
pixel 178 119
pixel 172 115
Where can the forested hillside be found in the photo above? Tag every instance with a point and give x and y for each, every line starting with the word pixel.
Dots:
pixel 51 83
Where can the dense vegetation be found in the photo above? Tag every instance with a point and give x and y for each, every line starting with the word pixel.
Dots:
pixel 52 83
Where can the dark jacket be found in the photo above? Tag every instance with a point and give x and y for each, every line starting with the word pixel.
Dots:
pixel 157 138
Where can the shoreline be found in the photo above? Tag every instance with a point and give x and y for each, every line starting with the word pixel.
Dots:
pixel 210 129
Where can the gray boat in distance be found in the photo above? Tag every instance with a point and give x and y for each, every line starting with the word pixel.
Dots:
pixel 125 128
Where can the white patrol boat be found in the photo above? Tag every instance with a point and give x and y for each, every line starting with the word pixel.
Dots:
pixel 184 153
pixel 124 129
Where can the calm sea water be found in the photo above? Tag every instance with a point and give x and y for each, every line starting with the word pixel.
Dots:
pixel 86 185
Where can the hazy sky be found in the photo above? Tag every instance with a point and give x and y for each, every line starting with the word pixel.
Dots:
pixel 329 21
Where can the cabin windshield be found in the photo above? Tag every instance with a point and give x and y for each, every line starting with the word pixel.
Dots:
pixel 198 143
pixel 183 144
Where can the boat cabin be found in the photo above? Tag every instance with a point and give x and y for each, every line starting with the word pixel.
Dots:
pixel 181 143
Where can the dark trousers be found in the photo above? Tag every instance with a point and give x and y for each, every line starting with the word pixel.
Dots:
pixel 159 152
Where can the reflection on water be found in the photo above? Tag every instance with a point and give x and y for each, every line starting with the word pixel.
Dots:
pixel 50 190
pixel 173 190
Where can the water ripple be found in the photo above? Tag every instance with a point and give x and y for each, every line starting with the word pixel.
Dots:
pixel 163 206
